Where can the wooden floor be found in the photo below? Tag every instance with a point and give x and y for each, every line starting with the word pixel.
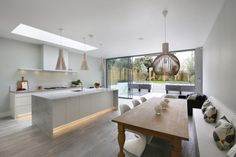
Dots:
pixel 97 139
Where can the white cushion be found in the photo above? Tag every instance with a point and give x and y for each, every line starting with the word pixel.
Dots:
pixel 232 152
pixel 222 110
pixel 224 134
pixel 206 104
pixel 210 114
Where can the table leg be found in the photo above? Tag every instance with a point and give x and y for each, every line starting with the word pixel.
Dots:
pixel 176 150
pixel 121 139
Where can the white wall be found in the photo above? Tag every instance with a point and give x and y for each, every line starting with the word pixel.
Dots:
pixel 15 54
pixel 219 57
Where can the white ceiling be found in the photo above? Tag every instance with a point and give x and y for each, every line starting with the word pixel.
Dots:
pixel 117 24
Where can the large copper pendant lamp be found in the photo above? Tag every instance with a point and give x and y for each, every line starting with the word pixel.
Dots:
pixel 166 63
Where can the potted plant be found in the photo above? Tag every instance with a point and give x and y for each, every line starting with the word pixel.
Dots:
pixel 76 83
pixel 96 85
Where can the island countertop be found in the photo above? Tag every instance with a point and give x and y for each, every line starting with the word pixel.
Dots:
pixel 57 111
pixel 70 93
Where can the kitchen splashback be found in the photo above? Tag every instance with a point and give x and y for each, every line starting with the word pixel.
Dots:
pixel 34 86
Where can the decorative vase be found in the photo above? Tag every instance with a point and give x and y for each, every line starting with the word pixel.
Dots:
pixel 158 109
pixel 164 105
pixel 96 85
pixel 166 100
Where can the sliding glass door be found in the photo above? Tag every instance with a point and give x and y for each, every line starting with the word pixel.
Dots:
pixel 133 76
pixel 119 73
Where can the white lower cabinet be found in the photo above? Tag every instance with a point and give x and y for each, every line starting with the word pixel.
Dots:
pixel 20 104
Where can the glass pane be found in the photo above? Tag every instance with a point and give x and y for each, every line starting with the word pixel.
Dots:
pixel 133 76
pixel 141 73
pixel 118 75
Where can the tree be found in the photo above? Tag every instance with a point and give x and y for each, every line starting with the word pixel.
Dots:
pixel 146 61
pixel 190 67
pixel 110 63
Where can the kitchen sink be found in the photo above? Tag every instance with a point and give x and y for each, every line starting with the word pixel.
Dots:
pixel 77 90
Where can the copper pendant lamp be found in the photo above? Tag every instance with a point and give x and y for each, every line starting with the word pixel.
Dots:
pixel 101 68
pixel 166 63
pixel 60 61
pixel 84 64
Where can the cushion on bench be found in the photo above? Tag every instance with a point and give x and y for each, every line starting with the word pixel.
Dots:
pixel 206 144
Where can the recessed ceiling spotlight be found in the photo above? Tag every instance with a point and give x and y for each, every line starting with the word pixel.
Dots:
pixel 141 38
pixel 91 35
pixel 42 35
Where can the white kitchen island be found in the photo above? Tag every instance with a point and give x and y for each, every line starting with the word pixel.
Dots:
pixel 55 112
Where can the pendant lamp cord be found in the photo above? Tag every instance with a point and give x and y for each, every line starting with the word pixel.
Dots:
pixel 165 28
pixel 165 12
pixel 101 52
pixel 61 30
pixel 84 46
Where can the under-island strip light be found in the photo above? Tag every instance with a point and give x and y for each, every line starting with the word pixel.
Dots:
pixel 35 33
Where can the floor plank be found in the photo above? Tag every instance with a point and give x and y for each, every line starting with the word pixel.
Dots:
pixel 96 139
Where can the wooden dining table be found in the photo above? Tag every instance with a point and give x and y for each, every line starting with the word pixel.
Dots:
pixel 171 125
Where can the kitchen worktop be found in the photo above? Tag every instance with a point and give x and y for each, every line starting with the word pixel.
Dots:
pixel 66 93
pixel 55 112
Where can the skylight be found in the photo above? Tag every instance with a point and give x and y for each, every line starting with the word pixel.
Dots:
pixel 41 35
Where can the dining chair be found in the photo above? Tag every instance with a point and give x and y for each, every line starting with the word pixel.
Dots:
pixel 137 145
pixel 143 99
pixel 135 102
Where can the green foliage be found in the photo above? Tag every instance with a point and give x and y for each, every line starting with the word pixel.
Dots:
pixel 110 63
pixel 78 82
pixel 190 66
pixel 146 60
pixel 139 62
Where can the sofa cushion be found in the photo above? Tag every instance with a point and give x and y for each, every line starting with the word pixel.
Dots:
pixel 221 121
pixel 222 110
pixel 206 104
pixel 224 134
pixel 210 114
pixel 232 152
